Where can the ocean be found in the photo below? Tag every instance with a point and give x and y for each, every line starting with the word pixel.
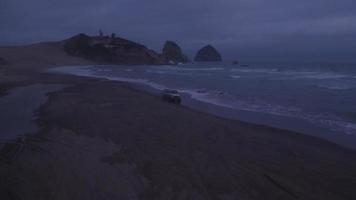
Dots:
pixel 314 99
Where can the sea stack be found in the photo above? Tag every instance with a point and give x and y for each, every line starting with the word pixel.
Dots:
pixel 208 54
pixel 172 53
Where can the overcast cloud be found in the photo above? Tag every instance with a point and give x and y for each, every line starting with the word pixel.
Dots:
pixel 274 30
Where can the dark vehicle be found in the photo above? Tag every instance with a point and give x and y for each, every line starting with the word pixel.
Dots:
pixel 171 96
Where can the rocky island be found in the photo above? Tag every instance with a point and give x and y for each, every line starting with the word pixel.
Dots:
pixel 172 53
pixel 208 54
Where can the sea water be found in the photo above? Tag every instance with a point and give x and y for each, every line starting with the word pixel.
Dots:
pixel 316 99
pixel 17 109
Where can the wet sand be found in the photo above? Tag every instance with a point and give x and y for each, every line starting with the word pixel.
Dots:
pixel 100 139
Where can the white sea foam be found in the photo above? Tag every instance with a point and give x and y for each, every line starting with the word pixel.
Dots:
pixel 169 67
pixel 224 100
pixel 350 128
pixel 169 72
pixel 235 76
pixel 254 70
pixel 202 69
pixel 335 87
pixel 179 73
pixel 96 69
pixel 338 125
pixel 321 75
pixel 206 96
pixel 161 72
pixel 290 74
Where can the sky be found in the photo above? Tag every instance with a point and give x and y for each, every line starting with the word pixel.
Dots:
pixel 259 30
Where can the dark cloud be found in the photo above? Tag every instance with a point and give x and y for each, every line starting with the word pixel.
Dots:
pixel 241 29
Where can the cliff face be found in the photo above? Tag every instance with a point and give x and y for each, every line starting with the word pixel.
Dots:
pixel 208 54
pixel 112 50
pixel 173 53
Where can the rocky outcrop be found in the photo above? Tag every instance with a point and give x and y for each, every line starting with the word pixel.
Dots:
pixel 208 54
pixel 172 53
pixel 113 50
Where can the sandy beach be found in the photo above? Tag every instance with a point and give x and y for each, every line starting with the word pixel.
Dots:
pixel 101 139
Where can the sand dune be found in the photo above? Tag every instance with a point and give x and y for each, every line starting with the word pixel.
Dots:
pixel 37 57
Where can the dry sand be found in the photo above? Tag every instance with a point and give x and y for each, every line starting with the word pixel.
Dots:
pixel 104 140
pixel 37 57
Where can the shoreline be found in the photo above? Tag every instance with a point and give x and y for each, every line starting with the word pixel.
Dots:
pixel 296 142
pixel 128 144
pixel 286 123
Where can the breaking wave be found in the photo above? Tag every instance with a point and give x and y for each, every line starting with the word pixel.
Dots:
pixel 169 67
pixel 290 74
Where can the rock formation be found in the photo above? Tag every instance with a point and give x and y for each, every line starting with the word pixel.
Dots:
pixel 208 54
pixel 113 50
pixel 173 53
